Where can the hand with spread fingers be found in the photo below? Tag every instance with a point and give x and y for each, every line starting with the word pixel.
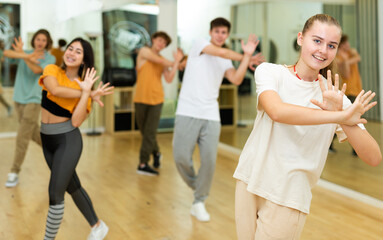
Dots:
pixel 361 105
pixel 256 60
pixel 18 44
pixel 102 90
pixel 89 80
pixel 332 97
pixel 252 43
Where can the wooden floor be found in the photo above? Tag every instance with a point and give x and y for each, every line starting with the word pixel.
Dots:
pixel 142 207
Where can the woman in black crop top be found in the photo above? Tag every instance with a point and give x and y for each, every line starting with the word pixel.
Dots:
pixel 63 110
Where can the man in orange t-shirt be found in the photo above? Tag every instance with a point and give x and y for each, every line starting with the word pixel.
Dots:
pixel 149 96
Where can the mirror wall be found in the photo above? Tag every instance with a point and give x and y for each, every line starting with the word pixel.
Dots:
pixel 275 22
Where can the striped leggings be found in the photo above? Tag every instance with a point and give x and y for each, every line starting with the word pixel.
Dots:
pixel 62 147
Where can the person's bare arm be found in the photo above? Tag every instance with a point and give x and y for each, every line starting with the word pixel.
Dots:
pixel 145 54
pixel 236 76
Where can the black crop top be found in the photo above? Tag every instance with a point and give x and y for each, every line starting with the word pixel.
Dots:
pixel 53 107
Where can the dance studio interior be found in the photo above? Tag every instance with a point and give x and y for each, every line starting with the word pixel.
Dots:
pixel 347 201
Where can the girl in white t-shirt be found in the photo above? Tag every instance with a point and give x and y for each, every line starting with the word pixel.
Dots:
pixel 297 118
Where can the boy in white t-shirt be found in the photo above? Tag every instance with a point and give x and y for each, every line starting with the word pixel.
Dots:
pixel 197 116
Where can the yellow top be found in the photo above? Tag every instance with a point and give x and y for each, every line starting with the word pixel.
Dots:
pixel 66 103
pixel 149 86
pixel 354 82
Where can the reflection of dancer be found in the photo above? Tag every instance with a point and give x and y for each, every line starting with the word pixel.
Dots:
pixel 2 100
pixel 287 149
pixel 149 96
pixel 197 116
pixel 347 60
pixel 59 52
pixel 27 94
pixel 65 105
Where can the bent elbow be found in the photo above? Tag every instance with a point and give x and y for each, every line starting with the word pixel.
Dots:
pixel 237 82
pixel 375 161
pixel 274 115
pixel 76 123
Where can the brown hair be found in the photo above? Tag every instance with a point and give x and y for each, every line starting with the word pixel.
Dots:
pixel 220 22
pixel 323 18
pixel 46 33
pixel 343 39
pixel 163 35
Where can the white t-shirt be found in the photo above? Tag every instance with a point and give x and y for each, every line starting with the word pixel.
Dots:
pixel 282 162
pixel 201 82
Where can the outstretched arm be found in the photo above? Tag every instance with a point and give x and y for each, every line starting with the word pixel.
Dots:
pixel 236 76
pixel 30 59
pixel 222 52
pixel 282 112
pixel 55 89
pixel 145 54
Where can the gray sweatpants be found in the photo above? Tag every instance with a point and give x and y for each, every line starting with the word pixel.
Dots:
pixel 188 132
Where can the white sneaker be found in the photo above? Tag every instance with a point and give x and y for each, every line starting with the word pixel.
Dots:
pixel 198 210
pixel 99 232
pixel 13 180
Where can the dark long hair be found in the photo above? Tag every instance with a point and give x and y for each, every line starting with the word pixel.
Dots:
pixel 88 60
pixel 46 34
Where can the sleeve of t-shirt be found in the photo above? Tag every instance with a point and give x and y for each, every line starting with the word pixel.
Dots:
pixel 264 78
pixel 228 64
pixel 49 70
pixel 339 131
pixel 197 47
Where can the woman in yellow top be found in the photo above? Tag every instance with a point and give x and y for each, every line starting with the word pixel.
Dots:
pixel 347 60
pixel 66 103
pixel 149 96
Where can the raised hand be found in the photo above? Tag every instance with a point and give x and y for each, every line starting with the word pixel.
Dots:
pixel 332 97
pixel 35 56
pixel 256 60
pixel 361 105
pixel 101 90
pixel 252 43
pixel 18 44
pixel 89 80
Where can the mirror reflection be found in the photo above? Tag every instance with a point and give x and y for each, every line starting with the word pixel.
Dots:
pixel 277 44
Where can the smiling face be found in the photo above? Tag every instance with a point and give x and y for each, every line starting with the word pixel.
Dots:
pixel 40 42
pixel 319 45
pixel 74 55
pixel 219 35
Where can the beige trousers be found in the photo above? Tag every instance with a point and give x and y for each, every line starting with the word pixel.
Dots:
pixel 260 219
pixel 28 116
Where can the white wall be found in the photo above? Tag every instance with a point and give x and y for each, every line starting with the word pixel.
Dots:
pixel 167 21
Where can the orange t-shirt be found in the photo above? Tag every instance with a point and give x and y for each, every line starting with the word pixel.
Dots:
pixel 66 103
pixel 354 82
pixel 149 86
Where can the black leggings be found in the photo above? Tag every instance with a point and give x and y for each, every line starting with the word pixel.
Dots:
pixel 62 153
